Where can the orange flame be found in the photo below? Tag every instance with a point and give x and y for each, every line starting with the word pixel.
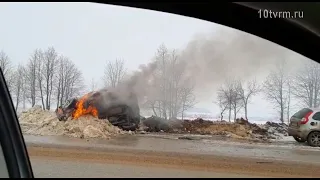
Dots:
pixel 80 110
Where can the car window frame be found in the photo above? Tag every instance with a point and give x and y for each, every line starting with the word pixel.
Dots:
pixel 314 116
pixel 11 137
pixel 14 136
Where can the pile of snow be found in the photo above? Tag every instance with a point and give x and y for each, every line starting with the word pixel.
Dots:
pixel 36 121
pixel 269 130
pixel 276 130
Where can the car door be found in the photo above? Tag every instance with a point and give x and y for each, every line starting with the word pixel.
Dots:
pixel 315 122
pixel 14 159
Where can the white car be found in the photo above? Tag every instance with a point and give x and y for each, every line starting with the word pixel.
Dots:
pixel 305 126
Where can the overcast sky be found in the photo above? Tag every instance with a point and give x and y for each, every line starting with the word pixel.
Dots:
pixel 89 34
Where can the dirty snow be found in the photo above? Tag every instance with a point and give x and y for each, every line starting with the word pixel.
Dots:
pixel 276 130
pixel 36 121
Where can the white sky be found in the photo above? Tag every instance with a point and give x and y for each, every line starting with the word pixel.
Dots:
pixel 89 34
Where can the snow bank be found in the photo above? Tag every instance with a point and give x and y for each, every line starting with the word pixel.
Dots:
pixel 276 130
pixel 36 121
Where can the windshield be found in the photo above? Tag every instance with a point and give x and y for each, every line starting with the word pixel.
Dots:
pixel 174 96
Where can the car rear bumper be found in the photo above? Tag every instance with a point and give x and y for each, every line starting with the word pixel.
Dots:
pixel 297 132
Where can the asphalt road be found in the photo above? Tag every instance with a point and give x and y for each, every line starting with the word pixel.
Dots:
pixel 286 150
pixel 169 157
pixel 48 168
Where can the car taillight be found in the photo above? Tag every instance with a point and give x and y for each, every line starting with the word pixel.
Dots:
pixel 306 118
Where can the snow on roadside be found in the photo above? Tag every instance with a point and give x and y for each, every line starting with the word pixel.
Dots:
pixel 36 121
pixel 276 130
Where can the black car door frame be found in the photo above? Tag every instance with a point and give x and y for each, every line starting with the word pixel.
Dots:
pixel 11 138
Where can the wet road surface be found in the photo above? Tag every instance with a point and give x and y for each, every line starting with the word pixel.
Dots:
pixel 168 156
pixel 44 168
pixel 288 151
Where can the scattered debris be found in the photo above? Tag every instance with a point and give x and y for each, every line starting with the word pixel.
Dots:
pixel 189 138
pixel 155 124
pixel 240 129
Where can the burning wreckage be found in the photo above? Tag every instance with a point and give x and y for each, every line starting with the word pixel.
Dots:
pixel 120 110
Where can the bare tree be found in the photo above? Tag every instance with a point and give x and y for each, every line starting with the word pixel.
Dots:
pixel 24 91
pixel 276 88
pixel 69 80
pixel 170 90
pixel 7 69
pixel 60 85
pixel 157 91
pixel 306 84
pixel 187 97
pixel 31 74
pixel 236 99
pixel 38 55
pixel 179 87
pixel 225 93
pixel 289 84
pixel 114 72
pixel 75 83
pixel 252 88
pixel 222 103
pixel 19 84
pixel 5 63
pixel 48 74
pixel 231 97
pixel 161 76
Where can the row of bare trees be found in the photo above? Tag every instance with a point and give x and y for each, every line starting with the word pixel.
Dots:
pixel 51 78
pixel 234 96
pixel 46 78
pixel 114 73
pixel 279 88
pixel 170 92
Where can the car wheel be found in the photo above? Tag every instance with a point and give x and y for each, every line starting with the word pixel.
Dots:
pixel 300 140
pixel 314 139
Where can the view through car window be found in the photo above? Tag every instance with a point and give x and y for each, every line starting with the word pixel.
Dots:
pixel 111 91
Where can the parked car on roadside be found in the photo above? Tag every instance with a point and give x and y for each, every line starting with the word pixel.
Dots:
pixel 305 126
